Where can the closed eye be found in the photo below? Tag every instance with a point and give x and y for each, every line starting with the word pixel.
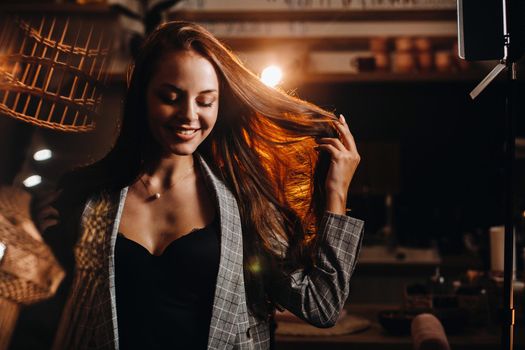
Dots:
pixel 168 100
pixel 205 101
pixel 203 104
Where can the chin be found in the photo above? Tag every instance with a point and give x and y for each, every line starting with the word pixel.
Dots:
pixel 182 149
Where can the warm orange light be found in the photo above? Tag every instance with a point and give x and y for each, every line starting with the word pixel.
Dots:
pixel 272 75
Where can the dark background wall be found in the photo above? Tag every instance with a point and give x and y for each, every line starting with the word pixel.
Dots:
pixel 449 177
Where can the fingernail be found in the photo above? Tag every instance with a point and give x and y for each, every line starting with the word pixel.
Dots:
pixel 342 117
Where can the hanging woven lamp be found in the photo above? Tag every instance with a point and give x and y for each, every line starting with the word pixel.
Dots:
pixel 53 69
pixel 28 270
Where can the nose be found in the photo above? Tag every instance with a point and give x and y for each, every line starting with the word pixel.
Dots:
pixel 187 110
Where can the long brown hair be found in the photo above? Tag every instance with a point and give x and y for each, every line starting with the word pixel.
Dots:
pixel 261 146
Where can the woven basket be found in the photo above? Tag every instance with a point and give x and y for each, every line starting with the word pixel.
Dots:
pixel 28 270
pixel 52 70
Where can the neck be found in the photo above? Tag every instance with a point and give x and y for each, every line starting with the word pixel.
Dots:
pixel 170 168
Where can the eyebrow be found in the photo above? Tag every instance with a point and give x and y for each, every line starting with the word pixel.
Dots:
pixel 178 89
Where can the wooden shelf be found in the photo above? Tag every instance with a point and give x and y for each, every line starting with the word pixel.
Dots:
pixel 314 15
pixel 319 44
pixel 390 77
pixel 58 9
pixel 251 16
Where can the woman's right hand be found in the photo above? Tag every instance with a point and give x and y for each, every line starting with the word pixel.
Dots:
pixel 45 214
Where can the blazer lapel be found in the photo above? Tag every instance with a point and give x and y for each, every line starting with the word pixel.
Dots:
pixel 229 292
pixel 89 316
pixel 229 310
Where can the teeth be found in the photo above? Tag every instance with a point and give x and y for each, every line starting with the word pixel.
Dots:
pixel 186 132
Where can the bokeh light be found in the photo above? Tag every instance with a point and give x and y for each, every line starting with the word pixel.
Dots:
pixel 32 181
pixel 43 154
pixel 271 75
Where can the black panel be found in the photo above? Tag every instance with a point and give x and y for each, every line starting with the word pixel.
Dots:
pixel 480 29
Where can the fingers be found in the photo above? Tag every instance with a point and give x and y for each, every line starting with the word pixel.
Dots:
pixel 47 217
pixel 329 148
pixel 343 146
pixel 48 212
pixel 336 143
pixel 344 160
pixel 47 224
pixel 347 137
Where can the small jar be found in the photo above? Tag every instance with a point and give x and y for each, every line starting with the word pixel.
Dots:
pixel 379 44
pixel 382 61
pixel 425 61
pixel 443 61
pixel 404 44
pixel 403 62
pixel 363 63
pixel 422 44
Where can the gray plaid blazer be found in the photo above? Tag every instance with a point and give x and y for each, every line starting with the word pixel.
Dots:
pixel 89 319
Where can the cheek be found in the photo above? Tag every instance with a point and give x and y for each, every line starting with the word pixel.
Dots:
pixel 209 119
pixel 160 111
pixel 158 115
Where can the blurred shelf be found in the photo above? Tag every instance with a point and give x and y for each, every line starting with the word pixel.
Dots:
pixel 314 15
pixel 58 9
pixel 251 16
pixel 322 43
pixel 386 77
pixel 398 255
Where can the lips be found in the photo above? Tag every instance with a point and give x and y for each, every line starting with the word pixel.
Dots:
pixel 186 131
pixel 182 133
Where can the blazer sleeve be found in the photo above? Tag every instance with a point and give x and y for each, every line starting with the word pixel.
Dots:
pixel 317 295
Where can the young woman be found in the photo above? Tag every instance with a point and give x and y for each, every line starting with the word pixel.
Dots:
pixel 221 200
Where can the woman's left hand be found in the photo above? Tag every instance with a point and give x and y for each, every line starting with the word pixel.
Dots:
pixel 344 162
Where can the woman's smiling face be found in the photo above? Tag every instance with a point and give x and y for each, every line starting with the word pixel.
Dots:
pixel 183 101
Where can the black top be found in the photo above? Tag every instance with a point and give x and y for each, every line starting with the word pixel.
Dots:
pixel 165 301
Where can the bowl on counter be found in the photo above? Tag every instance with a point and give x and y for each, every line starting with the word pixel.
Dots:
pixel 398 321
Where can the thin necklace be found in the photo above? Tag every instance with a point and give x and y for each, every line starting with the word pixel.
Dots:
pixel 157 195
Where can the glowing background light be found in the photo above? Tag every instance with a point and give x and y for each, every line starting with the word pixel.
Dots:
pixel 271 75
pixel 32 181
pixel 43 154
